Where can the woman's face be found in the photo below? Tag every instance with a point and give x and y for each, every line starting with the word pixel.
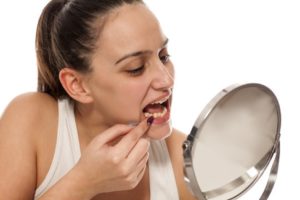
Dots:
pixel 132 76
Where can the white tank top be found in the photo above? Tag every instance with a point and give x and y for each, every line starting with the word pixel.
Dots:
pixel 67 153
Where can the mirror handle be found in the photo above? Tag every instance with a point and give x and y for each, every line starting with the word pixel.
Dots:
pixel 272 175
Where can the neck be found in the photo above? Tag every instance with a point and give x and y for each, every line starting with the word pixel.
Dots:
pixel 89 122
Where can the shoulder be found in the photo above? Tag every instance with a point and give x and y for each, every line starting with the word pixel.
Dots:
pixel 29 101
pixel 24 122
pixel 174 143
pixel 28 114
pixel 29 107
pixel 29 117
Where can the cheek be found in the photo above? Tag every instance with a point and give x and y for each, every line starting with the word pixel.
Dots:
pixel 134 89
pixel 173 73
pixel 131 95
pixel 119 99
pixel 126 99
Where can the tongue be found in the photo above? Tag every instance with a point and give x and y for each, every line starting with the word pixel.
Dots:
pixel 154 108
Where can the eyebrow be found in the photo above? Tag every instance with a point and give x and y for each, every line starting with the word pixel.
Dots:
pixel 138 53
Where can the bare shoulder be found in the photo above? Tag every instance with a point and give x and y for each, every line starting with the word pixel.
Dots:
pixel 21 125
pixel 177 136
pixel 28 112
pixel 174 143
pixel 29 103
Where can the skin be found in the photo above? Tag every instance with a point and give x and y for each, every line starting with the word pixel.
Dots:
pixel 107 99
pixel 125 33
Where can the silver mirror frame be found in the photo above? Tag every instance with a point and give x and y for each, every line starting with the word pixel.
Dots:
pixel 190 177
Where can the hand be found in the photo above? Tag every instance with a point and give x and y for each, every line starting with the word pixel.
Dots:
pixel 107 166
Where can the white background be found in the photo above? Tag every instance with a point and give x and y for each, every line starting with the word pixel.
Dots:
pixel 213 44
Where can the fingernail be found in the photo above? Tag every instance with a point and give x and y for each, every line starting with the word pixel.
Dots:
pixel 150 120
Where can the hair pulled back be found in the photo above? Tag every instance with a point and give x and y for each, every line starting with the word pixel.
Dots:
pixel 66 37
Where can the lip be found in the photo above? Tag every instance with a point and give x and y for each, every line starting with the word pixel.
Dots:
pixel 166 118
pixel 161 98
pixel 164 98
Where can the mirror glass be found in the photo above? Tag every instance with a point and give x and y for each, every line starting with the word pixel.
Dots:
pixel 232 142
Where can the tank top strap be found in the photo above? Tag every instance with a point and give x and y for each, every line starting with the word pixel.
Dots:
pixel 67 148
pixel 72 133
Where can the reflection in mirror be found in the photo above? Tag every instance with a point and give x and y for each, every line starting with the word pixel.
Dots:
pixel 232 143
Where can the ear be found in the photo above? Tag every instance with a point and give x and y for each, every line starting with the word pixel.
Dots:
pixel 73 83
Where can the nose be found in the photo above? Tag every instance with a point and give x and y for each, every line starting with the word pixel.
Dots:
pixel 164 77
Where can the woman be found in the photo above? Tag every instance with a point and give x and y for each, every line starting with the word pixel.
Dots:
pixel 99 125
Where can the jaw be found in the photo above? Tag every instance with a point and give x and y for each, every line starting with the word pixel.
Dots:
pixel 159 132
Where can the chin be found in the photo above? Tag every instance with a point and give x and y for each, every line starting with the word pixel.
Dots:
pixel 159 132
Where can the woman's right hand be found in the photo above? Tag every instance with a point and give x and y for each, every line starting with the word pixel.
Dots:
pixel 107 166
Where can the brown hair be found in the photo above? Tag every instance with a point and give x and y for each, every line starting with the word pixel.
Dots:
pixel 66 37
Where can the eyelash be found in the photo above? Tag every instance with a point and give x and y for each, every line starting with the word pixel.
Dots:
pixel 138 71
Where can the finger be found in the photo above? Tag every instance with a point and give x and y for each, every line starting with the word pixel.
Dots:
pixel 143 161
pixel 144 167
pixel 112 133
pixel 129 140
pixel 139 171
pixel 138 153
pixel 141 174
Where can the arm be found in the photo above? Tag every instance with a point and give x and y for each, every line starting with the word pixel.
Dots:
pixel 17 152
pixel 24 130
pixel 106 166
pixel 103 167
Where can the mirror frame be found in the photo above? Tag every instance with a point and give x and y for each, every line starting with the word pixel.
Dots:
pixel 190 177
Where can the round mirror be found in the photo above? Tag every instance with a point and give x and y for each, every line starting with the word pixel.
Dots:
pixel 232 143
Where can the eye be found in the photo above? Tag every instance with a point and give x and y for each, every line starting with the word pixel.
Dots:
pixel 165 58
pixel 164 55
pixel 137 71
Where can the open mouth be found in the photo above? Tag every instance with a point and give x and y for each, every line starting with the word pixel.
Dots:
pixel 160 110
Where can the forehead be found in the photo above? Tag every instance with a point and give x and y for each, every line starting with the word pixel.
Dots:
pixel 128 29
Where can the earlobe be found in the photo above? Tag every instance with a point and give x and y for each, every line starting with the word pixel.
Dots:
pixel 72 82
